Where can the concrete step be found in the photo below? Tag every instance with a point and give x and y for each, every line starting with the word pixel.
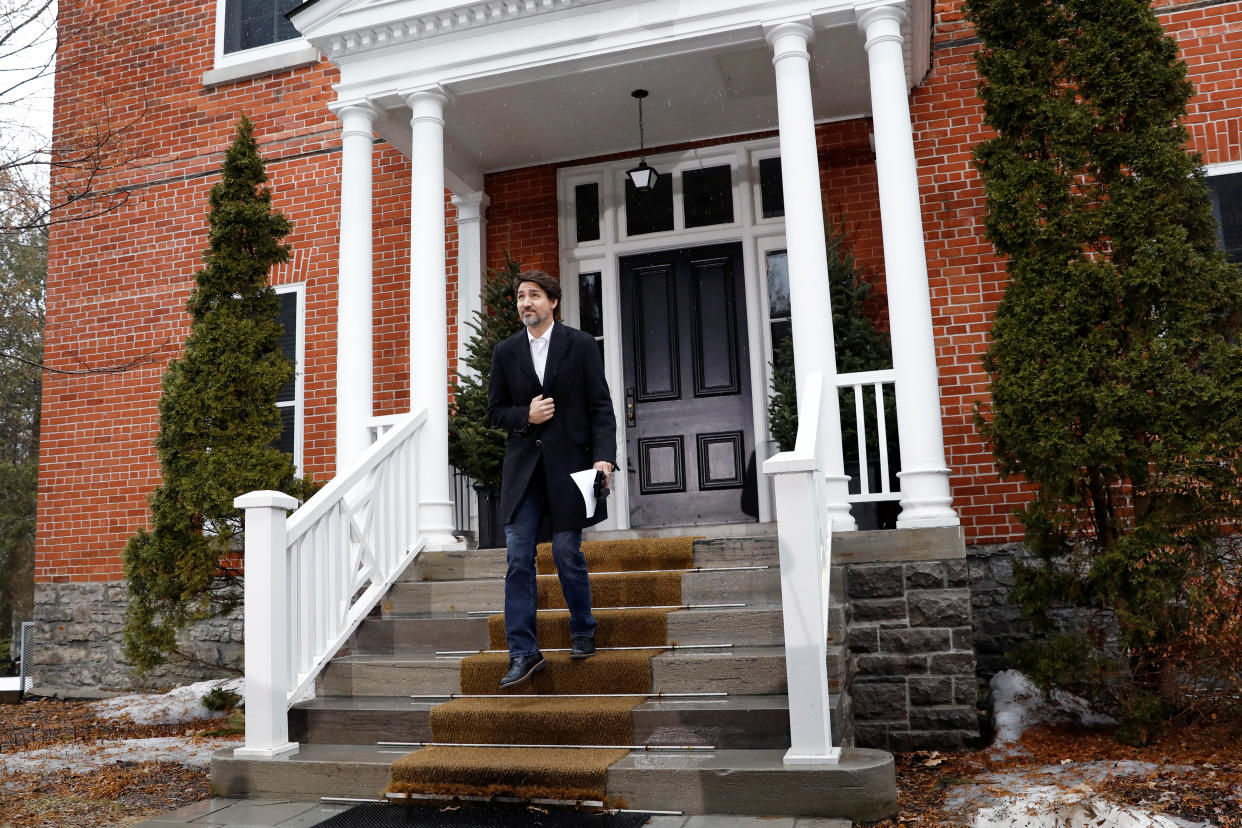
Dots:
pixel 737 670
pixel 490 563
pixel 732 722
pixel 744 586
pixel 860 787
pixel 753 625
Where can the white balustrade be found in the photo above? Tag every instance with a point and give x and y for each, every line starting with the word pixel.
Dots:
pixel 312 578
pixel 804 538
pixel 883 387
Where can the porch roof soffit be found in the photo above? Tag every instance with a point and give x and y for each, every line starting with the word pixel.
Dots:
pixel 542 81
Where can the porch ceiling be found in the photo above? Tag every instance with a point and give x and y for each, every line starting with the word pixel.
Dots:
pixel 540 81
pixel 694 95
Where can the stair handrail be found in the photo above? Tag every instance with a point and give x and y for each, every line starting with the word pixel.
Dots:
pixel 804 540
pixel 313 576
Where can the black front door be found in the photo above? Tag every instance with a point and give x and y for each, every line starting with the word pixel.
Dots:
pixel 688 434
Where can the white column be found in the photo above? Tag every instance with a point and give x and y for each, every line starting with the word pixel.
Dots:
pixel 354 355
pixel 428 317
pixel 269 648
pixel 809 297
pixel 925 496
pixel 471 256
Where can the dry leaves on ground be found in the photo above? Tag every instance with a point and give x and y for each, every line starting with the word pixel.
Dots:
pixel 118 794
pixel 1197 774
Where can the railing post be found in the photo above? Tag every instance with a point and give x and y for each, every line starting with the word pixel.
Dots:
pixel 266 624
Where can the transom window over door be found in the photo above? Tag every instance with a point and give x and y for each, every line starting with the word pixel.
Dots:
pixel 249 24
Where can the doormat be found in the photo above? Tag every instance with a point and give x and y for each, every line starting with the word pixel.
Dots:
pixel 484 816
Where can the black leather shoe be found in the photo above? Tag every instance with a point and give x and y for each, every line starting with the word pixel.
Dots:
pixel 583 648
pixel 521 668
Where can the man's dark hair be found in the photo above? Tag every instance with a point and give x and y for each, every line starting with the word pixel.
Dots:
pixel 546 283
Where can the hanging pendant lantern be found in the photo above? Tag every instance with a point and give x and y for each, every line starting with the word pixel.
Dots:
pixel 643 177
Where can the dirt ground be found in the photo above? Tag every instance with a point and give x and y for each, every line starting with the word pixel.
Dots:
pixel 1197 773
pixel 115 795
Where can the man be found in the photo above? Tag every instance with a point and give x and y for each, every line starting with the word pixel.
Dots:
pixel 547 390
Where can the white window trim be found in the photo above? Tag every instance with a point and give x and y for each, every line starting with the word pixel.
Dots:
pixel 299 373
pixel 262 60
pixel 1223 168
pixel 749 227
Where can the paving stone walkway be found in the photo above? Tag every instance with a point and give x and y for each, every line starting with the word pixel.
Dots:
pixel 260 813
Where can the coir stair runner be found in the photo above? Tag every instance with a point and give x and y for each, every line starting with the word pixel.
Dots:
pixel 630 573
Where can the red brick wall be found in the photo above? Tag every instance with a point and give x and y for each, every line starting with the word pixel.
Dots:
pixel 117 284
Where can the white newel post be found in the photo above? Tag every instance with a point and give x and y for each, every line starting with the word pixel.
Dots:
pixel 354 354
pixel 471 254
pixel 268 643
pixel 428 316
pixel 809 296
pixel 925 496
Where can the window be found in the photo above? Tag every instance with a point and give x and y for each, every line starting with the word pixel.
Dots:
pixel 591 308
pixel 253 38
pixel 1227 208
pixel 586 211
pixel 781 328
pixel 249 24
pixel 289 398
pixel 707 196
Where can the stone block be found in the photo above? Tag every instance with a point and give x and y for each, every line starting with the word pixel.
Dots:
pixel 880 701
pixel 915 641
pixel 875 581
pixel 931 690
pixel 957 573
pixel 963 639
pixel 925 575
pixel 940 608
pixel 905 741
pixel 864 639
pixel 871 735
pixel 892 665
pixel 890 610
pixel 965 690
pixel 951 664
pixel 946 717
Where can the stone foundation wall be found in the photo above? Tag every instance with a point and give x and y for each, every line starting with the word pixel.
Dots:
pixel 910 638
pixel 997 621
pixel 76 650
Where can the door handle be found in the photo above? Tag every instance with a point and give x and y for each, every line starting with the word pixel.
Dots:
pixel 630 419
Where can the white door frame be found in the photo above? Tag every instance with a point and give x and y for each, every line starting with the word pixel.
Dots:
pixel 756 234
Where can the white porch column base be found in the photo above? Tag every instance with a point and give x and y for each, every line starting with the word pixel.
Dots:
pixel 354 355
pixel 810 299
pixel 428 317
pixel 925 496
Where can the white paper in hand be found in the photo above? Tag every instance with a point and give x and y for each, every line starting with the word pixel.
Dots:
pixel 585 480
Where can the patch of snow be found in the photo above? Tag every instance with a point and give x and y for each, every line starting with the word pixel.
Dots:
pixel 183 750
pixel 1018 704
pixel 1053 807
pixel 177 706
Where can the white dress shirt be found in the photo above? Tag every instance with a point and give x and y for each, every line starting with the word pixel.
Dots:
pixel 539 350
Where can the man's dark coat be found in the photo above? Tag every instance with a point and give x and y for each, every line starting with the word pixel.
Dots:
pixel 582 432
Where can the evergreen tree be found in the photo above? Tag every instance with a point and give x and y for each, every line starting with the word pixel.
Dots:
pixel 23 269
pixel 859 346
pixel 476 448
pixel 218 419
pixel 1116 376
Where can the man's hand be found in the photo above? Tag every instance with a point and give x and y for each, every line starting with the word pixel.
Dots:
pixel 606 468
pixel 541 410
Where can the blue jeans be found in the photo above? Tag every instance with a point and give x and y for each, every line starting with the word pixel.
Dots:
pixel 520 585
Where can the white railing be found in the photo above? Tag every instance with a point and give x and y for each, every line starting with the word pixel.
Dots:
pixel 311 578
pixel 883 385
pixel 804 537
